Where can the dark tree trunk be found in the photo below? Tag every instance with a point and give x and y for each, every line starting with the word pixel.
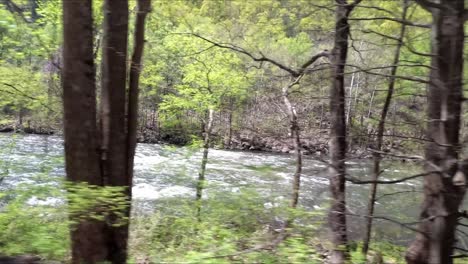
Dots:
pixel 133 90
pixel 380 132
pixel 33 7
pixel 113 123
pixel 201 173
pixel 443 192
pixel 337 215
pixel 228 136
pixel 88 243
pixel 110 161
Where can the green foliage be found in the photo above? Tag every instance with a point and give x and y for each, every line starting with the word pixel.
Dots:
pixel 21 89
pixel 389 253
pixel 33 217
pixel 34 228
pixel 231 223
pixel 96 202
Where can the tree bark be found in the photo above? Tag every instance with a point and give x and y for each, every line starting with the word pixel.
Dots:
pixel 113 123
pixel 143 7
pixel 380 132
pixel 201 174
pixel 443 192
pixel 228 135
pixel 295 134
pixel 88 243
pixel 108 162
pixel 33 6
pixel 337 170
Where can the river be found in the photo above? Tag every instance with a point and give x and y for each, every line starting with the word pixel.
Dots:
pixel 165 171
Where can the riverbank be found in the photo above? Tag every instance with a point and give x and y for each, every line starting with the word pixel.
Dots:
pixel 240 141
pixel 245 140
pixel 8 128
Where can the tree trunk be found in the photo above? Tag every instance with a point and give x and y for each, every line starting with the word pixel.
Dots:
pixel 113 123
pixel 337 215
pixel 93 241
pixel 443 192
pixel 228 137
pixel 133 90
pixel 88 243
pixel 33 6
pixel 380 132
pixel 294 128
pixel 351 86
pixel 201 174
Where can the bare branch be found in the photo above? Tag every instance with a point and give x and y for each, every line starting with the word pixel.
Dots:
pixel 197 52
pixel 263 58
pixel 378 9
pixel 370 31
pixel 405 225
pixel 357 181
pixel 14 8
pixel 401 21
pixel 243 51
pixel 19 92
pixel 394 193
pixel 408 78
pixel 314 58
pixel 396 155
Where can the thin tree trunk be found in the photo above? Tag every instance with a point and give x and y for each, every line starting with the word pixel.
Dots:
pixel 295 134
pixel 144 7
pixel 351 86
pixel 337 214
pixel 113 122
pixel 20 117
pixel 443 192
pixel 201 174
pixel 228 139
pixel 88 243
pixel 322 111
pixel 33 6
pixel 380 132
pixel 369 113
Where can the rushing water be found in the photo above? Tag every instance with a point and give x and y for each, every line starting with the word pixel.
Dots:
pixel 165 171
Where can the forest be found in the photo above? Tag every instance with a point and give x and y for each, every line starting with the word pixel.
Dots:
pixel 233 131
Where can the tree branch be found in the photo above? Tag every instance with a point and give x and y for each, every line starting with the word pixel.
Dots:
pixel 24 95
pixel 263 58
pixel 378 9
pixel 394 193
pixel 359 69
pixel 314 58
pixel 14 8
pixel 357 181
pixel 252 56
pixel 401 21
pixel 405 225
